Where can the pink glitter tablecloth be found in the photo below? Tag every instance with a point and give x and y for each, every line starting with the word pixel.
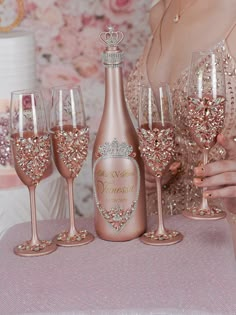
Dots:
pixel 196 276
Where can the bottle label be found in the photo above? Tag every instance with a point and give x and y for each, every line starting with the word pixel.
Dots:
pixel 116 180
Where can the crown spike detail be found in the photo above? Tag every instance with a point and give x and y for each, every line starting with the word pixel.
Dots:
pixel 111 38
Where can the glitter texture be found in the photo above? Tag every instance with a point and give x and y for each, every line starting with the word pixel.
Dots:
pixel 32 155
pixel 157 148
pixel 205 119
pixel 72 147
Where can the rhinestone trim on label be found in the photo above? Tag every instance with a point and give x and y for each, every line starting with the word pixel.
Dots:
pixel 117 216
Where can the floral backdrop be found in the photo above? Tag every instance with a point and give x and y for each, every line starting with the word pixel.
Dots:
pixel 69 51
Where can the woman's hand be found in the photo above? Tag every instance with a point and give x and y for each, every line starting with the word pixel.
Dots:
pixel 150 181
pixel 220 176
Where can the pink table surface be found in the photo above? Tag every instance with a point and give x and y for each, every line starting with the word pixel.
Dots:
pixel 196 276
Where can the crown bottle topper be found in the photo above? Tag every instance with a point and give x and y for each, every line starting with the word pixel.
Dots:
pixel 112 56
pixel 18 19
pixel 111 38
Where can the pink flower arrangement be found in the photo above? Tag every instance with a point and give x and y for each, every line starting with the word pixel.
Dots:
pixel 119 11
pixel 59 74
pixel 120 6
pixel 85 66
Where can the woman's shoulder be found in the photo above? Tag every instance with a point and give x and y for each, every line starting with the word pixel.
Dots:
pixel 229 13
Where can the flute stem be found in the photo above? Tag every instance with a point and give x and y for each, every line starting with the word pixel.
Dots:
pixel 161 228
pixel 204 204
pixel 72 230
pixel 34 239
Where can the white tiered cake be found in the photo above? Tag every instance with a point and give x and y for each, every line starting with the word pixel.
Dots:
pixel 17 72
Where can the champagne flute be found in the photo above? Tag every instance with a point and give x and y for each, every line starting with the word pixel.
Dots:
pixel 30 142
pixel 70 138
pixel 205 116
pixel 157 145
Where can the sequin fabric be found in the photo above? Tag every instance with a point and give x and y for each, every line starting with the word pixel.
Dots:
pixel 180 193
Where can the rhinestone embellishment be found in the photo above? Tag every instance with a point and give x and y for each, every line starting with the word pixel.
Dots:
pixel 79 236
pixel 157 147
pixel 33 155
pixel 206 119
pixel 118 214
pixel 161 237
pixel 205 212
pixel 72 147
pixel 115 149
pixel 35 248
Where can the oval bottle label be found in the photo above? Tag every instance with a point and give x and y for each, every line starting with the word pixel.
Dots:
pixel 116 181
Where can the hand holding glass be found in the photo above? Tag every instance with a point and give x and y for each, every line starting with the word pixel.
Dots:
pixel 205 115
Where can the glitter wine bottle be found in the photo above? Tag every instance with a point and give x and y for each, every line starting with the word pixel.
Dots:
pixel 118 171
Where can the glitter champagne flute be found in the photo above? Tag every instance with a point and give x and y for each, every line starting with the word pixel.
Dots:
pixel 157 145
pixel 205 116
pixel 30 143
pixel 70 138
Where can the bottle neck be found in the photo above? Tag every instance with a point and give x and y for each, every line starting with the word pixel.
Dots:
pixel 114 89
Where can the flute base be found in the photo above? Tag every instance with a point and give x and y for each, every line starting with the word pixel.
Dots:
pixel 82 237
pixel 211 213
pixel 28 250
pixel 155 238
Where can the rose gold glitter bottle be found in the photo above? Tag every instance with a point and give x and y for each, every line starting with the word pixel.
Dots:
pixel 118 173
